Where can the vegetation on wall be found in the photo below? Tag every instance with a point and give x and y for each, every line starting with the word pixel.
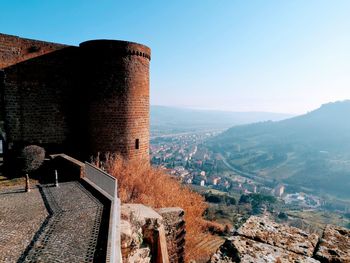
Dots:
pixel 138 182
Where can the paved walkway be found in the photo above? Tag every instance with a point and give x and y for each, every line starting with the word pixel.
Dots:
pixel 52 224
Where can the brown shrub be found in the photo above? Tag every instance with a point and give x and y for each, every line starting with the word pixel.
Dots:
pixel 140 183
pixel 215 227
pixel 32 157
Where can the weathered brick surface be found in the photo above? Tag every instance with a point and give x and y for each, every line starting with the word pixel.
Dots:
pixel 117 86
pixel 36 98
pixel 81 100
pixel 14 49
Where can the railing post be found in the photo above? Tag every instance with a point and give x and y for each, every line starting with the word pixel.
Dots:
pixel 118 231
pixel 56 178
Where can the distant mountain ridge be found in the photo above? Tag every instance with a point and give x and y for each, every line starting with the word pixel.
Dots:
pixel 311 150
pixel 324 126
pixel 172 117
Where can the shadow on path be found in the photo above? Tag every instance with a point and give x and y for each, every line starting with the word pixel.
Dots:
pixel 59 214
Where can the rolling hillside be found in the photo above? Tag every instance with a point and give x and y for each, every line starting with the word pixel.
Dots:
pixel 312 150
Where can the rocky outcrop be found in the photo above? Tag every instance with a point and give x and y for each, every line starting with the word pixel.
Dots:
pixel 150 236
pixel 140 255
pixel 334 245
pixel 139 225
pixel 241 249
pixel 261 240
pixel 282 236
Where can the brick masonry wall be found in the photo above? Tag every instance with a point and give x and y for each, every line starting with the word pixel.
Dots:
pixel 2 87
pixel 36 99
pixel 81 100
pixel 14 49
pixel 116 79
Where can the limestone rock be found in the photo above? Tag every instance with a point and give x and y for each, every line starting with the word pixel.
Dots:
pixel 261 240
pixel 290 238
pixel 244 250
pixel 141 255
pixel 141 214
pixel 334 245
pixel 130 236
pixel 143 227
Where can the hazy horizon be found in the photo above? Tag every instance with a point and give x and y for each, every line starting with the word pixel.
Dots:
pixel 228 110
pixel 271 56
pixel 216 109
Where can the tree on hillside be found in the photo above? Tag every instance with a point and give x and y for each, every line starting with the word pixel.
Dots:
pixel 258 202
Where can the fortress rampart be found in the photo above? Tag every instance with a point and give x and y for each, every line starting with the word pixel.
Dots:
pixel 79 100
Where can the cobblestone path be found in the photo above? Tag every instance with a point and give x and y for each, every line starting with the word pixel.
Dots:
pixel 50 224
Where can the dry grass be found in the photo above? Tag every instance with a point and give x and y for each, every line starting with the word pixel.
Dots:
pixel 140 183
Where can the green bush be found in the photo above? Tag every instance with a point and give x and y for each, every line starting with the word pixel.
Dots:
pixel 211 198
pixel 220 199
pixel 229 200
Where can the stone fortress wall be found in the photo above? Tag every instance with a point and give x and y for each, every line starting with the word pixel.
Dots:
pixel 79 100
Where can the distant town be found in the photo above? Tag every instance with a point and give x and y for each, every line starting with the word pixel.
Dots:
pixel 186 157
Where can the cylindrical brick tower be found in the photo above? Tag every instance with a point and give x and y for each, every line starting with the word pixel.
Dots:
pixel 116 92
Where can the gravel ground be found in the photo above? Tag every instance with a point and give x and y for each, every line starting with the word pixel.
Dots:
pixel 50 224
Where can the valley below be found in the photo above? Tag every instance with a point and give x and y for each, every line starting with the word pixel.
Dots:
pixel 296 170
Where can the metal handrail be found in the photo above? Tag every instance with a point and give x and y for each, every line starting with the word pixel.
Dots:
pixel 104 182
pixel 108 186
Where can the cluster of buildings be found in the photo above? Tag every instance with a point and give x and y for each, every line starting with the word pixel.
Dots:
pixel 302 200
pixel 187 159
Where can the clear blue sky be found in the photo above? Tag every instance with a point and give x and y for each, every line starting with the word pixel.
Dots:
pixel 241 55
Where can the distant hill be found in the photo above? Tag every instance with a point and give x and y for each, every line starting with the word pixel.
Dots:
pixel 168 118
pixel 312 150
